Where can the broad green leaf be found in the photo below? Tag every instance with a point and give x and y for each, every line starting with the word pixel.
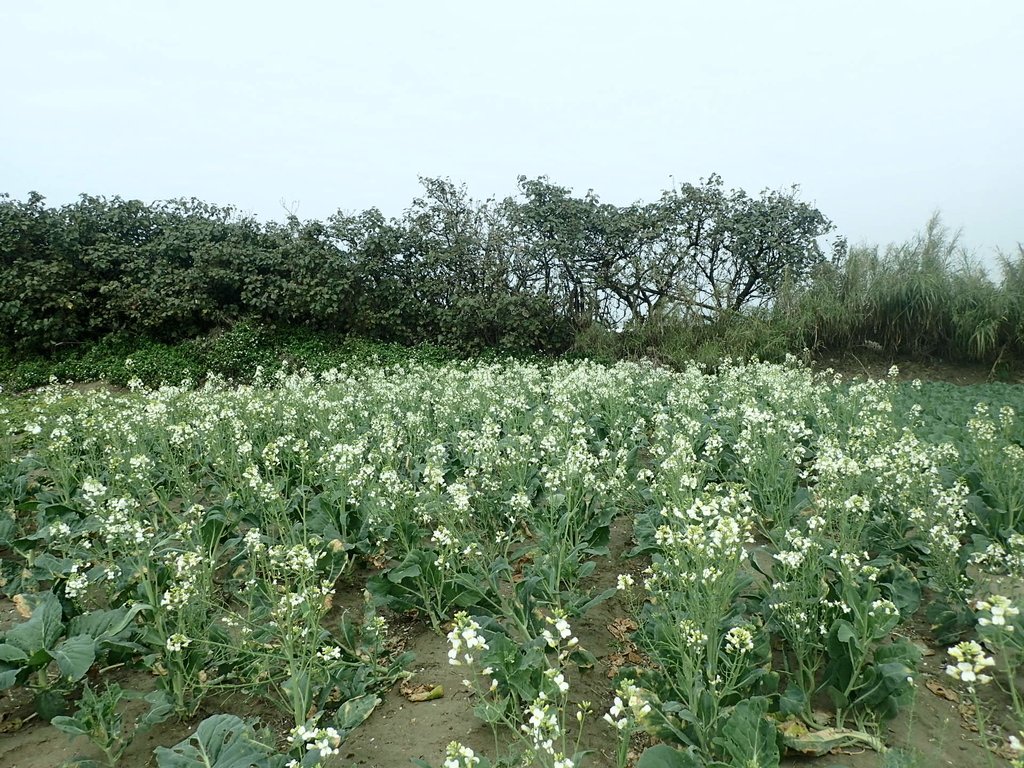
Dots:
pixel 824 740
pixel 354 711
pixel 41 631
pixel 405 571
pixel 748 737
pixel 905 590
pixel 220 741
pixel 69 725
pixel 793 700
pixel 46 566
pixel 845 632
pixel 49 704
pixel 104 624
pixel 161 707
pixel 12 653
pixel 300 691
pixel 664 756
pixel 75 656
pixel 8 678
pixel 597 600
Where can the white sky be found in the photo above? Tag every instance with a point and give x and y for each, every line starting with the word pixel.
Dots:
pixel 881 111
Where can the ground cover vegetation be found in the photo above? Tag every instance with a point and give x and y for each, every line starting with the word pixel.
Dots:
pixel 701 273
pixel 797 547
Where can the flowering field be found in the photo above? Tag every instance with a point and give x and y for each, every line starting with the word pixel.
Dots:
pixel 798 550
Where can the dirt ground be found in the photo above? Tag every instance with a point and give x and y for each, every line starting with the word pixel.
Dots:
pixel 937 729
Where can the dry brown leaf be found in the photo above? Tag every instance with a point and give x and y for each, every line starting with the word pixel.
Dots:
pixel 616 661
pixel 622 628
pixel 22 607
pixel 968 716
pixel 940 690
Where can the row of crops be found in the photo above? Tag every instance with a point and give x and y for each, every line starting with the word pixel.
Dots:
pixel 796 543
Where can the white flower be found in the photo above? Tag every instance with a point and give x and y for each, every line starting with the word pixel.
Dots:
pixel 999 609
pixel 464 640
pixel 883 608
pixel 178 641
pixel 971 661
pixel 624 581
pixel 739 640
pixel 329 653
pixel 458 756
pixel 558 679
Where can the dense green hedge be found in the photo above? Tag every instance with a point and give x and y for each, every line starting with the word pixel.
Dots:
pixel 183 287
pixel 520 274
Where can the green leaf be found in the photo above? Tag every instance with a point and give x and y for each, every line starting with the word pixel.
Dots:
pixel 354 712
pixel 46 566
pixel 75 656
pixel 212 530
pixel 69 725
pixel 905 590
pixel 400 573
pixel 161 707
pixel 49 704
pixel 41 631
pixel 821 742
pixel 597 600
pixel 300 691
pixel 103 625
pixel 748 737
pixel 845 632
pixel 11 653
pixel 664 756
pixel 220 741
pixel 793 700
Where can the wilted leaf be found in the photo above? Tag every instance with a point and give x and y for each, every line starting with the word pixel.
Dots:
pixel 940 690
pixel 622 628
pixel 416 693
pixel 826 740
pixel 9 723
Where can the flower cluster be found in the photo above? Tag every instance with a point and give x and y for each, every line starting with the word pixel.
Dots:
pixel 543 728
pixel 629 705
pixel 458 756
pixel 562 638
pixel 997 609
pixel 971 662
pixel 324 740
pixel 178 642
pixel 739 640
pixel 465 640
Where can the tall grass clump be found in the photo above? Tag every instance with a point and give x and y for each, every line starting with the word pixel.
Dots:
pixel 926 297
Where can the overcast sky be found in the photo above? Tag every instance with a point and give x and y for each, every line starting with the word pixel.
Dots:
pixel 882 112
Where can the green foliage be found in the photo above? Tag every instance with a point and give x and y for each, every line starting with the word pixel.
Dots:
pixel 98 719
pixel 516 275
pixel 220 741
pixel 28 649
pixel 748 738
pixel 702 273
pixel 664 756
pixel 925 297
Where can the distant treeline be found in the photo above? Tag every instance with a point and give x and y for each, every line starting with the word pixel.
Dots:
pixel 542 271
